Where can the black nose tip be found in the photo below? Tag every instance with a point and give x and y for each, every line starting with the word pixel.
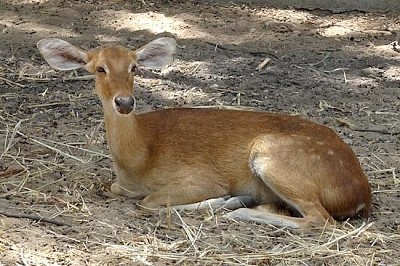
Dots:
pixel 124 105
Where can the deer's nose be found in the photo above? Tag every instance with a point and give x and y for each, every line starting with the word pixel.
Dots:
pixel 124 105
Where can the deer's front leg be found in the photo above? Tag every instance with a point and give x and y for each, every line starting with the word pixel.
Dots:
pixel 186 190
pixel 125 185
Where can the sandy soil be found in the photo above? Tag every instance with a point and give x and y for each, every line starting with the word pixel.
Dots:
pixel 341 70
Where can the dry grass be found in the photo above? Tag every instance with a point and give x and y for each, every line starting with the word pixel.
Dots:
pixel 53 187
pixel 55 169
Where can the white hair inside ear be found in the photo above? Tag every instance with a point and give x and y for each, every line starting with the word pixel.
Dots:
pixel 156 54
pixel 62 55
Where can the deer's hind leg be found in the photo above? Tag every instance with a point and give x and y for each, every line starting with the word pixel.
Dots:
pixel 291 178
pixel 268 215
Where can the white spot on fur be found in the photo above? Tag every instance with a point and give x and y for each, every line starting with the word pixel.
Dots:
pixel 316 157
pixel 257 168
pixel 259 164
pixel 360 207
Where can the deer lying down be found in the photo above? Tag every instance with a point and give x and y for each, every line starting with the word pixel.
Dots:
pixel 182 156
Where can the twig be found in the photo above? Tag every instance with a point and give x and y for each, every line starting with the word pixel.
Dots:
pixel 53 148
pixel 384 132
pixel 308 68
pixel 48 104
pixel 35 218
pixel 189 232
pixel 9 142
pixel 73 147
pixel 344 76
pixel 198 64
pixel 362 228
pixel 355 128
pixel 227 90
pixel 37 79
pixel 323 104
pixel 242 107
pixel 316 64
pixel 23 259
pixel 12 82
pixel 324 71
pixel 86 77
pixel 336 69
pixel 217 45
pixel 321 61
pixel 263 63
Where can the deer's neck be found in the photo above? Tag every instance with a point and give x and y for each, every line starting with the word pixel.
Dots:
pixel 125 139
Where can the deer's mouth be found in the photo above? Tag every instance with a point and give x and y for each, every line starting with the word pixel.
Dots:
pixel 124 110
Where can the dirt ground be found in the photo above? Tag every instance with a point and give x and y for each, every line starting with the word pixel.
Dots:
pixel 341 70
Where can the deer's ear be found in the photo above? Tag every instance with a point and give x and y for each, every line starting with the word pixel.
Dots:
pixel 157 53
pixel 62 55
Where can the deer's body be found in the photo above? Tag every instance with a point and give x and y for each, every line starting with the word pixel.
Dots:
pixel 182 156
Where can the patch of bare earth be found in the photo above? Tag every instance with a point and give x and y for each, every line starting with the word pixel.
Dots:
pixel 341 70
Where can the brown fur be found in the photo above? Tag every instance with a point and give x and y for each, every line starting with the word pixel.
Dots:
pixel 182 156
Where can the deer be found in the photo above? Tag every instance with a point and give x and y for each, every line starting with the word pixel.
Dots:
pixel 274 168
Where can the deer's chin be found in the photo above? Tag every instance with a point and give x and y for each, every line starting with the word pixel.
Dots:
pixel 124 110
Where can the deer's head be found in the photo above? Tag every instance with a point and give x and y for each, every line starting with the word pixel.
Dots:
pixel 114 66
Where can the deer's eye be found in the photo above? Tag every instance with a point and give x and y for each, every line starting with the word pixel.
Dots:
pixel 100 70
